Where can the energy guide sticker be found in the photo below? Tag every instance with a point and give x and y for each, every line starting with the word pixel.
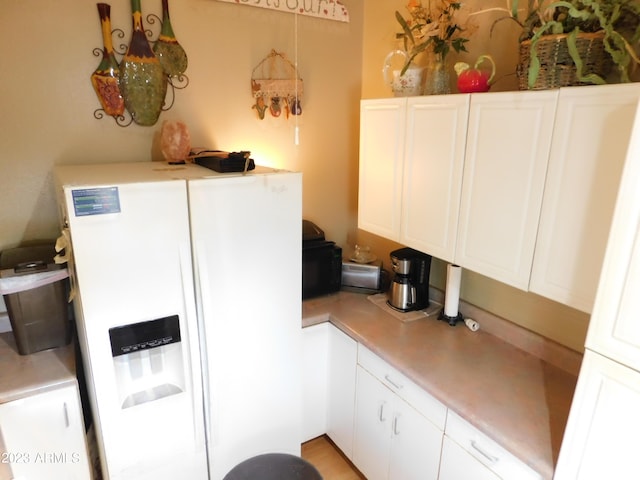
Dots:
pixel 96 201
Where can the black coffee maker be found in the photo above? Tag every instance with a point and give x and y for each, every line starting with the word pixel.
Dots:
pixel 410 286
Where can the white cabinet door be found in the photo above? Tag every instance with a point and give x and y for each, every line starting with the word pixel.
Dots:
pixel 415 445
pixel 508 143
pixel 433 163
pixel 457 464
pixel 315 362
pixel 382 131
pixel 614 330
pixel 43 436
pixel 589 147
pixel 250 322
pixel 374 403
pixel 392 440
pixel 343 355
pixel 601 438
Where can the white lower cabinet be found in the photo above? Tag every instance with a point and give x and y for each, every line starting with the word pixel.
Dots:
pixel 42 436
pixel 398 427
pixel 315 359
pixel 458 464
pixel 389 427
pixel 343 355
pixel 328 385
pixel 469 454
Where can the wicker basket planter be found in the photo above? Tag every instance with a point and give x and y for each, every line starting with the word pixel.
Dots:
pixel 557 68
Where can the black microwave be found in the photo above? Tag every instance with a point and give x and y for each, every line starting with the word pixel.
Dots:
pixel 321 263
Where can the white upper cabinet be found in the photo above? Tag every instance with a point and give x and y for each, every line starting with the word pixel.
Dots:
pixel 411 162
pixel 432 179
pixel 614 330
pixel 588 151
pixel 382 129
pixel 517 186
pixel 508 142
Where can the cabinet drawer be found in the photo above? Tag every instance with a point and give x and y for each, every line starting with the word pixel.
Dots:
pixel 457 463
pixel 415 396
pixel 487 451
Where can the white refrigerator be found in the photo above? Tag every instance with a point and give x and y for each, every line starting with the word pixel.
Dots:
pixel 187 290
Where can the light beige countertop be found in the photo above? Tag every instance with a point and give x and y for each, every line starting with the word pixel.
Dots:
pixel 511 395
pixel 24 375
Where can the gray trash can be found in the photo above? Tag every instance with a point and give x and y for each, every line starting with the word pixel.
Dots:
pixel 37 305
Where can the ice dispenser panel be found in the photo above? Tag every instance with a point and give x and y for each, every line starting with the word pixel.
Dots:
pixel 147 358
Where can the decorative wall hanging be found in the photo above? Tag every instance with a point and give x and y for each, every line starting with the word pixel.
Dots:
pixel 172 56
pixel 276 85
pixel 106 77
pixel 328 9
pixel 135 89
pixel 143 82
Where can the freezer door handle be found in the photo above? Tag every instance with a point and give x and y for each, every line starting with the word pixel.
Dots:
pixel 67 421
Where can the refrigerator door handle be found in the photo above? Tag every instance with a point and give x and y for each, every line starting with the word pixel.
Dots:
pixel 203 305
pixel 194 366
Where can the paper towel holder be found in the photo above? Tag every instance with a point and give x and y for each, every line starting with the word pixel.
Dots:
pixel 451 320
pixel 450 311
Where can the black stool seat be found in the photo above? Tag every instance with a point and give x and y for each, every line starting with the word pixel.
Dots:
pixel 274 466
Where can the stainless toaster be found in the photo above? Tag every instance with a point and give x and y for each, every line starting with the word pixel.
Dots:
pixel 362 277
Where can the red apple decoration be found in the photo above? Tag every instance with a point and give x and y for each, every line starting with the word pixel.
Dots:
pixel 472 80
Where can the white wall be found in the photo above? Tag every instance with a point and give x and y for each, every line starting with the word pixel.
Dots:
pixel 47 101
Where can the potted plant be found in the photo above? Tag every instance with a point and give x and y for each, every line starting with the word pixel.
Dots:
pixel 570 42
pixel 432 27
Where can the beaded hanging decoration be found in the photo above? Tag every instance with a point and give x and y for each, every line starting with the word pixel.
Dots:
pixel 276 86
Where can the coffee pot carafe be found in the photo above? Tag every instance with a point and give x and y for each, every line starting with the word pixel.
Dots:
pixel 410 286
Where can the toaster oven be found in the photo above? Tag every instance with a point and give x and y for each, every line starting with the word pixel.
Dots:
pixel 321 263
